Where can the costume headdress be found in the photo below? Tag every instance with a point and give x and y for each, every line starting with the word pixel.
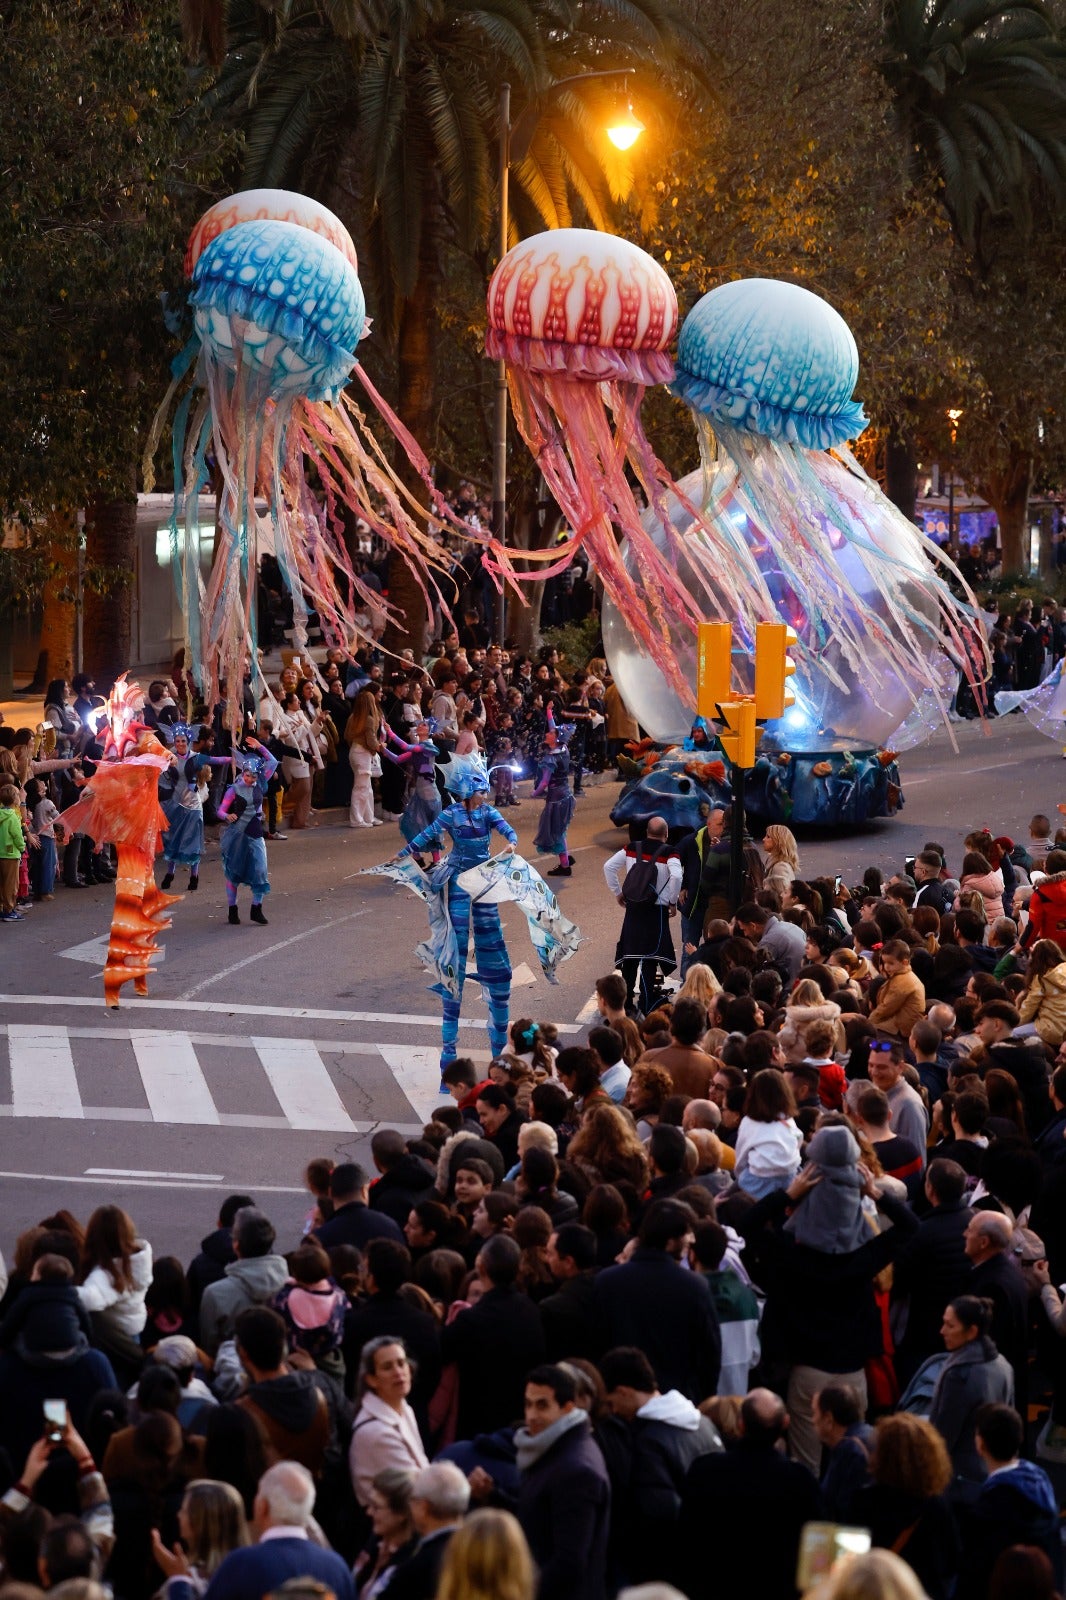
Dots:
pixel 466 775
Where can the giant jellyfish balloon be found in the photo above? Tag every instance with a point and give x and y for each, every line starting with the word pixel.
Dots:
pixel 768 369
pixel 278 313
pixel 583 321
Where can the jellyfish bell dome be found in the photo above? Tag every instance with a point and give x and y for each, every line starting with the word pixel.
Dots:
pixel 268 205
pixel 771 358
pixel 844 699
pixel 589 304
pixel 282 302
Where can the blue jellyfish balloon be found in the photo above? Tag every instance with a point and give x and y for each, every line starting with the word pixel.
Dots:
pixel 278 313
pixel 768 370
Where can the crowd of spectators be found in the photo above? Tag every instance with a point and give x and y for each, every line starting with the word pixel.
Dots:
pixel 782 1251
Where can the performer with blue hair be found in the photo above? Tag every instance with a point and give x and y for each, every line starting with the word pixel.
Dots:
pixel 469 822
pixel 182 788
pixel 244 856
pixel 553 782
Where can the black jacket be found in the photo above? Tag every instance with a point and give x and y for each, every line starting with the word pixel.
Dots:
pixel 572 1322
pixel 662 1456
pixel 417 1577
pixel 401 1188
pixel 494 1343
pixel 931 1269
pixel 820 1309
pixel 216 1253
pixel 564 1506
pixel 1017 1506
pixel 667 1312
pixel 760 1501
pixel 933 894
pixel 506 1138
pixel 391 1314
pixel 999 1279
pixel 930 1547
pixel 1028 1065
pixel 355 1223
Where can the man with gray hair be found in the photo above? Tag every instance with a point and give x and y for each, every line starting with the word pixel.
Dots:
pixel 440 1496
pixel 996 1276
pixel 252 1280
pixel 282 1514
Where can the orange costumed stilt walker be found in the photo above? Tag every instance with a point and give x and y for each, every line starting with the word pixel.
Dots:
pixel 120 806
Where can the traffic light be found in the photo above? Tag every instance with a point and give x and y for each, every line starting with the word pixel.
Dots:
pixel 772 669
pixel 737 734
pixel 714 667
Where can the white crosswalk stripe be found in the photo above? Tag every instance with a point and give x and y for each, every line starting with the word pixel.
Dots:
pixel 309 1085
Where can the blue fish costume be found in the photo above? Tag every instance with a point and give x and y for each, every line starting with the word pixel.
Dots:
pixel 451 912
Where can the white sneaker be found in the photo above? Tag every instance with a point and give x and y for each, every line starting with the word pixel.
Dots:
pixel 377 823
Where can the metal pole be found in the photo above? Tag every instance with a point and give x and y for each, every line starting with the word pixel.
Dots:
pixel 736 838
pixel 499 415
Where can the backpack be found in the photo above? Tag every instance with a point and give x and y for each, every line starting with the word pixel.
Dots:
pixel 641 884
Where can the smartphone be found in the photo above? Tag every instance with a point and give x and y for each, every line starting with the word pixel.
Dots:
pixel 55 1420
pixel 908 865
pixel 821 1546
pixel 838 880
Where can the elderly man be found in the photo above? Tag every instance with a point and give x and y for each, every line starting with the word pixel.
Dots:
pixel 645 879
pixel 996 1276
pixel 282 1517
pixel 440 1496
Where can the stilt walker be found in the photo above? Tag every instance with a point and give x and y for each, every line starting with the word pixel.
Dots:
pixel 553 782
pixel 469 822
pixel 244 855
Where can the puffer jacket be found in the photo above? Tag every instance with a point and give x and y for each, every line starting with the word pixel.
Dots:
pixel 1044 1005
pixel 989 885
pixel 124 1308
pixel 793 1035
pixel 1047 911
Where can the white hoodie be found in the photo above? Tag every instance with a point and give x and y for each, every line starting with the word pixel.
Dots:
pixel 672 1407
pixel 768 1149
pixel 124 1307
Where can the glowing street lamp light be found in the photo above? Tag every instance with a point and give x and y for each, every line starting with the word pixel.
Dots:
pixel 625 130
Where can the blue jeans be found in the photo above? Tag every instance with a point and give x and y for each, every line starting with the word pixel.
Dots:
pixel 691 933
pixel 46 866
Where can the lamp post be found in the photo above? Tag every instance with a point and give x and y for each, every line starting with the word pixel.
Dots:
pixel 954 414
pixel 514 141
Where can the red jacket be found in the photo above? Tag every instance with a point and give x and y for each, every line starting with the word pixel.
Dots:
pixel 1047 911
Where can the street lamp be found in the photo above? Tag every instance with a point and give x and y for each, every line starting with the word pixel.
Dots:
pixel 954 414
pixel 624 131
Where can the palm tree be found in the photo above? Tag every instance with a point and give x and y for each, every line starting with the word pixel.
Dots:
pixel 980 89
pixel 388 112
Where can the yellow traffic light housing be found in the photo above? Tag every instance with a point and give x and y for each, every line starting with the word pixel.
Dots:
pixel 773 669
pixel 737 734
pixel 714 667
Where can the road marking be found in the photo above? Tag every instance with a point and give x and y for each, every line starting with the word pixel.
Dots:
pixel 94 951
pixel 150 1183
pixel 911 783
pixel 522 976
pixel 589 1011
pixel 174 1084
pixel 227 1009
pixel 136 1172
pixel 304 1088
pixel 272 949
pixel 43 1083
pixel 417 1071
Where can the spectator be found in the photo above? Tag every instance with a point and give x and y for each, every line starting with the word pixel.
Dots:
pixel 404 1180
pixel 932 1265
pixel 847 1443
pixel 495 1343
pixel 973 1375
pixel 352 1221
pixel 1016 1504
pixel 385 1433
pixel 393 1538
pixel 654 1303
pixel 564 1495
pixel 905 1507
pixel 667 1435
pixel 487 1559
pixel 439 1497
pixel 287 1406
pixel 572 1324
pixel 252 1279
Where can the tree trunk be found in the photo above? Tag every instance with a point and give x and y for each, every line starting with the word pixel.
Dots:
pixel 1008 492
pixel 110 544
pixel 533 528
pixel 415 404
pixel 59 599
pixel 901 471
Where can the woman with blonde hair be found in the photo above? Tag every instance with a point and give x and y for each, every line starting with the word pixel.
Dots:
pixel 877 1575
pixel 362 734
pixel 487 1559
pixel 211 1523
pixel 700 984
pixel 807 1004
pixel 782 854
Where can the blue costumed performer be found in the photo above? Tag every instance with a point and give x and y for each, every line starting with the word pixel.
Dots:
pixel 182 788
pixel 553 782
pixel 244 856
pixel 469 822
pixel 423 803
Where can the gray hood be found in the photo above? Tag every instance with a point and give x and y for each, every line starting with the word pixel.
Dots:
pixel 260 1276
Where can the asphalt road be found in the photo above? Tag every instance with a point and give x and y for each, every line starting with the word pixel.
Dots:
pixel 261 1047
